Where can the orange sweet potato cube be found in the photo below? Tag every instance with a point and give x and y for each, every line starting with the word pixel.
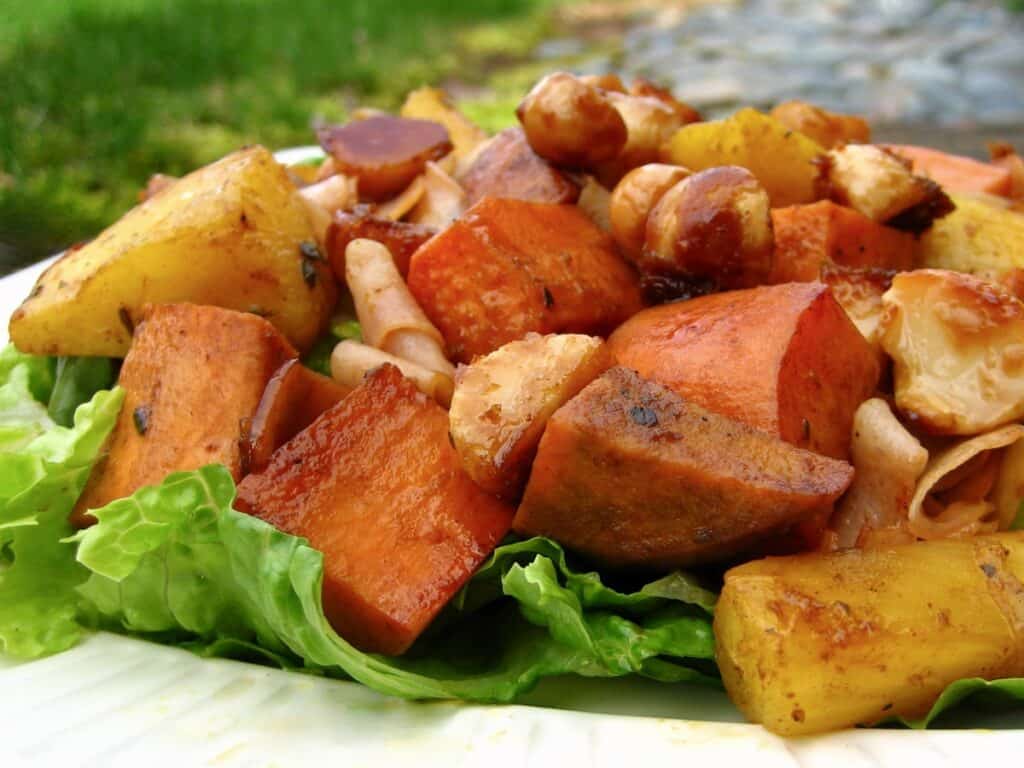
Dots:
pixel 508 267
pixel 810 237
pixel 375 485
pixel 293 399
pixel 193 376
pixel 956 173
pixel 632 475
pixel 784 359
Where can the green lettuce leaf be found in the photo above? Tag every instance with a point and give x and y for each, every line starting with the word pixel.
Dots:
pixel 177 562
pixel 976 693
pixel 43 468
pixel 319 357
pixel 77 380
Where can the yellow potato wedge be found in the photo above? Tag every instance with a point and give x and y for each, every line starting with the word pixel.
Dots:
pixel 502 403
pixel 818 642
pixel 234 234
pixel 782 159
pixel 434 104
pixel 976 238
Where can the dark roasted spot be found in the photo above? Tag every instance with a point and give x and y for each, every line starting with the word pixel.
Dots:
pixel 989 570
pixel 645 417
pixel 549 300
pixel 310 250
pixel 126 320
pixel 703 535
pixel 665 289
pixel 141 418
pixel 309 273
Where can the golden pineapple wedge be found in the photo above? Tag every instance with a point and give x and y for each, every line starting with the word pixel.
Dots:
pixel 817 642
pixel 233 234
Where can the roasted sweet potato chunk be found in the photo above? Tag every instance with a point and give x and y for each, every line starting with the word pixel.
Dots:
pixel 508 167
pixel 376 486
pixel 809 237
pixel 508 267
pixel 503 400
pixel 785 359
pixel 401 238
pixel 631 474
pixel 956 173
pixel 193 375
pixel 385 153
pixel 295 396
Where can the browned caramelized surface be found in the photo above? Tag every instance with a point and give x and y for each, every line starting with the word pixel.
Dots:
pixel 192 376
pixel 508 267
pixel 295 396
pixel 508 167
pixel 785 359
pixel 375 485
pixel 385 153
pixel 631 474
pixel 402 238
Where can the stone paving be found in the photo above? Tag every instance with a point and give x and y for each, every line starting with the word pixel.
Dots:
pixel 896 61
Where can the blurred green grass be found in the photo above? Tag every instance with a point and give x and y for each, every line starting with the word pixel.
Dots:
pixel 95 95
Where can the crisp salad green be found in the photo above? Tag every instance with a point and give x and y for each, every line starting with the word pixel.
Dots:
pixel 177 564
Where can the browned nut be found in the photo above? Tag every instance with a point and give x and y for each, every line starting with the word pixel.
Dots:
pixel 713 228
pixel 607 82
pixel 571 123
pixel 643 87
pixel 633 199
pixel 650 123
pixel 385 153
pixel 829 129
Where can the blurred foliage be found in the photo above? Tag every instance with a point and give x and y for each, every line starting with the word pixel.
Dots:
pixel 95 95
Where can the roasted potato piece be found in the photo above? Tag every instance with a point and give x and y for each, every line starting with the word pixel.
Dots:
pixel 880 184
pixel 713 228
pixel 571 123
pixel 829 129
pixel 975 238
pixel 295 396
pixel 955 173
pixel 233 234
pixel 385 153
pixel 633 199
pixel 193 376
pixel 630 474
pixel 508 267
pixel 811 237
pixel 375 485
pixel 783 160
pixel 434 104
pixel 785 359
pixel 401 238
pixel 859 292
pixel 819 642
pixel 508 167
pixel 503 401
pixel 957 345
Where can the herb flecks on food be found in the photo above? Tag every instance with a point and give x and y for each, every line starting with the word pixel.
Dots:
pixel 141 418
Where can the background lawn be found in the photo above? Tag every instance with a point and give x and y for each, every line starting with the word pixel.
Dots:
pixel 95 95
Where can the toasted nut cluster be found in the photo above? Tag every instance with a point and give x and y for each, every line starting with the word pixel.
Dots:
pixel 571 123
pixel 827 128
pixel 880 184
pixel 714 227
pixel 633 199
pixel 650 123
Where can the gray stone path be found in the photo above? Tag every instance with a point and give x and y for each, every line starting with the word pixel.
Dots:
pixel 952 64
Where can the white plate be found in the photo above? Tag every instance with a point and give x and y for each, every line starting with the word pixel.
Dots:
pixel 116 701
